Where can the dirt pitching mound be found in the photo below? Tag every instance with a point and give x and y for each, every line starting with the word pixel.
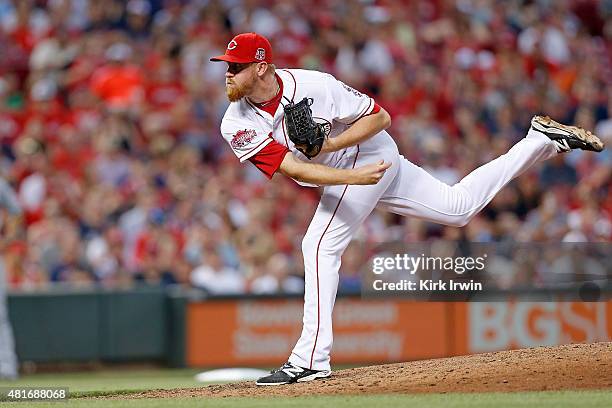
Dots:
pixel 568 367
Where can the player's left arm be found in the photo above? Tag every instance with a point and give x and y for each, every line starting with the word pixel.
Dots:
pixel 363 129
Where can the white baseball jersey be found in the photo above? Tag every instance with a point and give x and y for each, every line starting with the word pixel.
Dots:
pixel 404 189
pixel 249 129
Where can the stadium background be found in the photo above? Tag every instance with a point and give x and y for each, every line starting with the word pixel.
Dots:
pixel 109 117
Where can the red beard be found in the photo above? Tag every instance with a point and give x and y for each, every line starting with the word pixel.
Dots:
pixel 237 92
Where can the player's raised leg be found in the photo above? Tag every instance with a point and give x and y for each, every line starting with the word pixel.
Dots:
pixel 416 193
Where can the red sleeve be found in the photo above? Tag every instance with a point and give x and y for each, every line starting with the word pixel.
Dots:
pixel 269 159
pixel 376 109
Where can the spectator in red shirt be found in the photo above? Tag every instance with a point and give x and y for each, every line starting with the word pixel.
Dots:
pixel 119 84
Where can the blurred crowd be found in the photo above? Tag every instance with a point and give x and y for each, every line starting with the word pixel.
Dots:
pixel 110 113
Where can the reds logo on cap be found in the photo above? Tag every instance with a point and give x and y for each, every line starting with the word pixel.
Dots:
pixel 247 47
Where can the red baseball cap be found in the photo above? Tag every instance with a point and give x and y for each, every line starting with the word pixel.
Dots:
pixel 247 47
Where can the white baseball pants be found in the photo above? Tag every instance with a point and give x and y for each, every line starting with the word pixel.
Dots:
pixel 405 189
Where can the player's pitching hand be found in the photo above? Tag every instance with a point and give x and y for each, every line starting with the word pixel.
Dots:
pixel 370 173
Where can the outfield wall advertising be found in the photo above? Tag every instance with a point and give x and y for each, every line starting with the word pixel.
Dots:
pixel 503 325
pixel 263 332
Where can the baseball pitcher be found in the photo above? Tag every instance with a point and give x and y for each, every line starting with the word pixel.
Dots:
pixel 319 131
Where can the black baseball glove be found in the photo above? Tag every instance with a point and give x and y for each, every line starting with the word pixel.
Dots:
pixel 307 135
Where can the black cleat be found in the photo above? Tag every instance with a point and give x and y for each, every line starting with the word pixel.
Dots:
pixel 290 373
pixel 566 137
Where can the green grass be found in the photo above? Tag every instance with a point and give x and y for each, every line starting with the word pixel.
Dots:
pixel 116 379
pixel 101 383
pixel 111 380
pixel 583 399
